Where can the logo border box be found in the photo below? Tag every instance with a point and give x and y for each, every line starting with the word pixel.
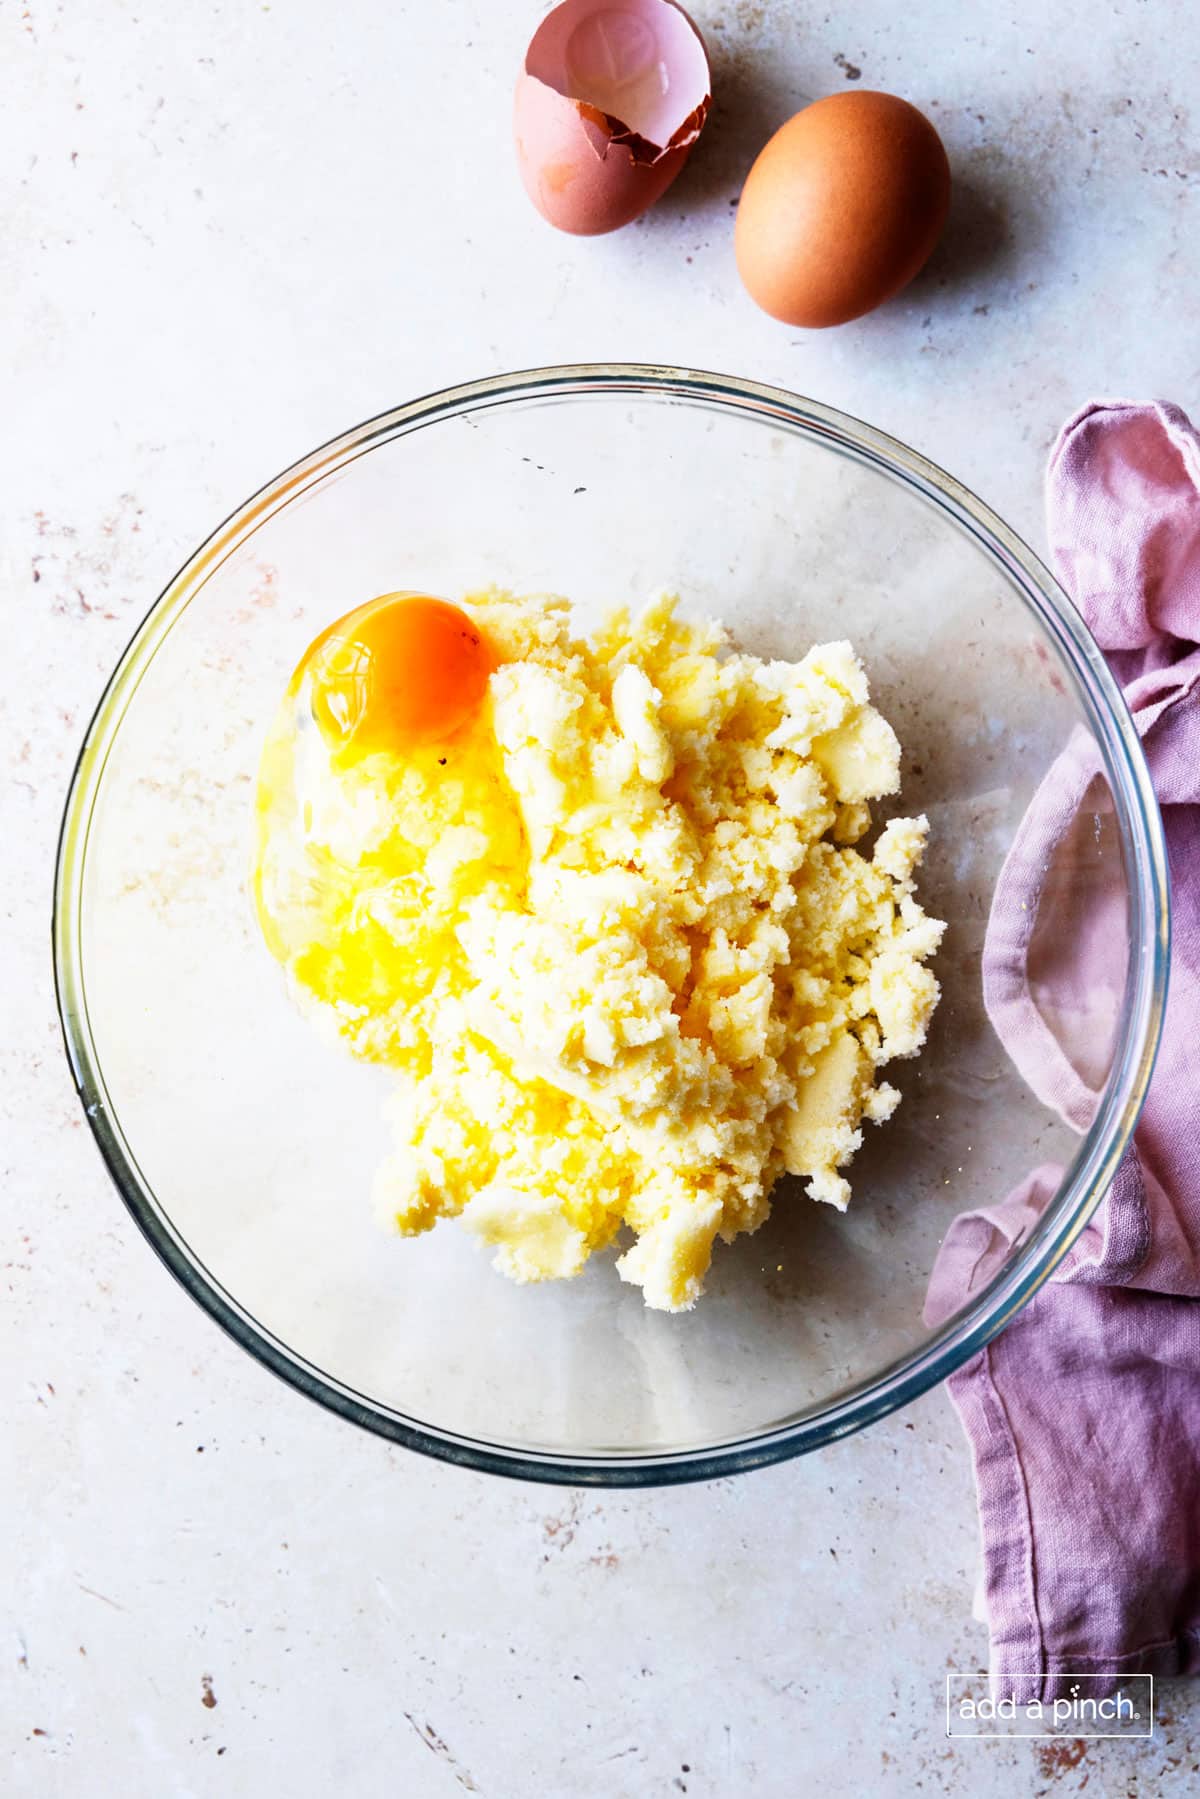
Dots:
pixel 1091 1736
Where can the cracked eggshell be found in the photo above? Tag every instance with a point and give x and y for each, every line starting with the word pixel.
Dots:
pixel 608 105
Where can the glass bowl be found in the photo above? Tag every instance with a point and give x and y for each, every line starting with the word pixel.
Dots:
pixel 245 1145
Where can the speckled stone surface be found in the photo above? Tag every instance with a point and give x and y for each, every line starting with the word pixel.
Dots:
pixel 230 231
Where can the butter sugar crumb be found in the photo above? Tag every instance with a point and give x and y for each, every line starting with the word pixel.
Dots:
pixel 622 953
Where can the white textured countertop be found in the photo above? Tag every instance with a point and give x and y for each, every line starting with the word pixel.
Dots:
pixel 230 231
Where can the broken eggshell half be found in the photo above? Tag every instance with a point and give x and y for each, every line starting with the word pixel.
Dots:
pixel 612 97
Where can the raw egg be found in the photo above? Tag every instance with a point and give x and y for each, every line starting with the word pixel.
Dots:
pixel 403 670
pixel 612 96
pixel 841 209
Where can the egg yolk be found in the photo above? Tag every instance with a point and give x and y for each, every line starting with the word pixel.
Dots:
pixel 403 670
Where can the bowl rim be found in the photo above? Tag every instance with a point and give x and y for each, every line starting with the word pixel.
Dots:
pixel 948 1346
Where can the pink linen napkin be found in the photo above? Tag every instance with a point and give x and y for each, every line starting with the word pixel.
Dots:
pixel 1084 1414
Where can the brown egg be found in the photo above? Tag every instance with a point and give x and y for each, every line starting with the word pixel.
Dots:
pixel 843 206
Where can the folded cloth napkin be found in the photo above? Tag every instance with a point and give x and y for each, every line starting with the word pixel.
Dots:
pixel 1084 1414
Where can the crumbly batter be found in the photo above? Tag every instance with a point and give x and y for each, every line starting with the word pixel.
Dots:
pixel 613 936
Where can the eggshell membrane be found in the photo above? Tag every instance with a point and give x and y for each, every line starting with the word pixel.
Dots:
pixel 842 208
pixel 587 168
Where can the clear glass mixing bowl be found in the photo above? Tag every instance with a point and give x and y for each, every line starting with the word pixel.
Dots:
pixel 244 1144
